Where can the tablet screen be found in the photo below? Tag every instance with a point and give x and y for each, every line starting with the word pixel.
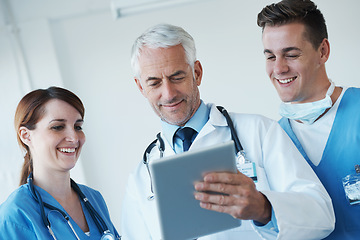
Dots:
pixel 181 216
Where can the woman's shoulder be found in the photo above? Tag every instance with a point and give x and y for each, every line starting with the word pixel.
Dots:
pixel 17 199
pixel 90 193
pixel 84 188
pixel 94 197
pixel 19 208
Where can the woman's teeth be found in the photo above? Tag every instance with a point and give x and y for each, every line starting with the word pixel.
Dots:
pixel 67 150
pixel 286 80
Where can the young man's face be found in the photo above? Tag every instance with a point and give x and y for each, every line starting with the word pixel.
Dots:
pixel 292 63
pixel 169 83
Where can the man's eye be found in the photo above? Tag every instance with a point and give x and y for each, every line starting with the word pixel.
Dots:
pixel 153 83
pixel 78 128
pixel 178 78
pixel 292 56
pixel 270 57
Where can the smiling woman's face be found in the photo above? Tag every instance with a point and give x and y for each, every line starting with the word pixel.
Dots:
pixel 56 141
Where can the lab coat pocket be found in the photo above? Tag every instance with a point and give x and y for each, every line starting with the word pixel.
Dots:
pixel 262 181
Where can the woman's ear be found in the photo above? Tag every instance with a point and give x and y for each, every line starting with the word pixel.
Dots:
pixel 24 134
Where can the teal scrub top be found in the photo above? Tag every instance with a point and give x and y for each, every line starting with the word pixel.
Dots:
pixel 20 216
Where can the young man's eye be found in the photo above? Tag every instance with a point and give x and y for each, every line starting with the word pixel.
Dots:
pixel 292 56
pixel 78 128
pixel 270 57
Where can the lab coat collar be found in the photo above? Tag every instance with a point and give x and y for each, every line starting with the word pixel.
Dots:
pixel 168 146
pixel 216 119
pixel 196 122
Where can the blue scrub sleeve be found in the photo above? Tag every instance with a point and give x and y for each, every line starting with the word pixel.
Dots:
pixel 10 230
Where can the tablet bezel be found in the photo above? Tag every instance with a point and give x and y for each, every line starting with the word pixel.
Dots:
pixel 180 214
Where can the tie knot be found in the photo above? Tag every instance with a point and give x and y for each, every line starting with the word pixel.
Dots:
pixel 186 134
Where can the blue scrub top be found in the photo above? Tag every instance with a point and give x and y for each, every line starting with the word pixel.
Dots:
pixel 20 216
pixel 339 158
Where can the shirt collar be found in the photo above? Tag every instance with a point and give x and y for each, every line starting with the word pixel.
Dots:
pixel 197 122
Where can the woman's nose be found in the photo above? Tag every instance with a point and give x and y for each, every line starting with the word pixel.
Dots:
pixel 71 136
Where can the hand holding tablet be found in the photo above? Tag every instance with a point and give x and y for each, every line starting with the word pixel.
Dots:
pixel 181 216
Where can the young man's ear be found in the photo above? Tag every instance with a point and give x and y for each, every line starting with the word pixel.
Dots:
pixel 24 134
pixel 324 50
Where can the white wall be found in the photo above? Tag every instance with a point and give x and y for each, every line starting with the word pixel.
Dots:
pixel 85 50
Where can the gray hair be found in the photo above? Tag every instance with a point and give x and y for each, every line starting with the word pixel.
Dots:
pixel 163 36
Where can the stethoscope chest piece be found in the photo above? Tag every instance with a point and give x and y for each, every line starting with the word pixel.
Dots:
pixel 107 236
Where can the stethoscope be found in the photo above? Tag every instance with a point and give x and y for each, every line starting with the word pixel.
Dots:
pixel 240 153
pixel 100 223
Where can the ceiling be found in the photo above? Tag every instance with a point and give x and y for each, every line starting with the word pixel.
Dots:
pixel 16 11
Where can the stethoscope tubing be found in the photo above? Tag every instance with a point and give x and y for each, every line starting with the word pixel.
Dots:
pixel 94 214
pixel 230 123
pixel 161 146
pixel 36 195
pixel 100 223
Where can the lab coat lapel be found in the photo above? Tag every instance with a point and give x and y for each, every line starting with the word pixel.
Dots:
pixel 168 149
pixel 209 134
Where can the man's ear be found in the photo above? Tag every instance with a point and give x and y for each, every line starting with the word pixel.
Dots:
pixel 24 134
pixel 198 72
pixel 324 50
pixel 138 84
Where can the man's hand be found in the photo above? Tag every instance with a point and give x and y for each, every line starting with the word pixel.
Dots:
pixel 239 196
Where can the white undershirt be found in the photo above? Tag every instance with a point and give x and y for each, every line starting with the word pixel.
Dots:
pixel 313 137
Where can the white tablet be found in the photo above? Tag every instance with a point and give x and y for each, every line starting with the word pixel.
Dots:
pixel 180 214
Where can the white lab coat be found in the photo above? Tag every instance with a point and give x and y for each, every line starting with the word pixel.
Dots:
pixel 302 207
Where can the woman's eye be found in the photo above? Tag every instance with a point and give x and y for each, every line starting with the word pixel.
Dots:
pixel 79 128
pixel 57 128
